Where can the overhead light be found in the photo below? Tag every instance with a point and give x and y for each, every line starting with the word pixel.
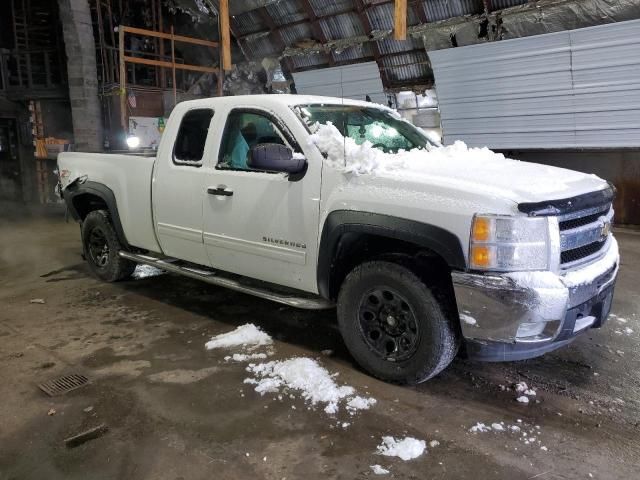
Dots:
pixel 133 141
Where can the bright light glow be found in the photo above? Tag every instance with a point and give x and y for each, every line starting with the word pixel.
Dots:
pixel 133 141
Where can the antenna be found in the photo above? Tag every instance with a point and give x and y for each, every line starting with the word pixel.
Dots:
pixel 344 122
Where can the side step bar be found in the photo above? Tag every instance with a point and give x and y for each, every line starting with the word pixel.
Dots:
pixel 290 297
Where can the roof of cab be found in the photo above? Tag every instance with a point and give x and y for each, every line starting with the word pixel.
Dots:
pixel 266 100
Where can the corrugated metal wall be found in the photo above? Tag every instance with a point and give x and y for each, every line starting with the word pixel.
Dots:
pixel 351 81
pixel 574 89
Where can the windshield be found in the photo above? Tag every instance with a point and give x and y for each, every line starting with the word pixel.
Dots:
pixel 375 125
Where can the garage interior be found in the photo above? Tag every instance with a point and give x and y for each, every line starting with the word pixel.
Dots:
pixel 150 400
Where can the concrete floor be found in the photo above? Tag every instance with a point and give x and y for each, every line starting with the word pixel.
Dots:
pixel 176 411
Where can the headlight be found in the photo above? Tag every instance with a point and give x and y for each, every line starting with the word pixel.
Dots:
pixel 504 243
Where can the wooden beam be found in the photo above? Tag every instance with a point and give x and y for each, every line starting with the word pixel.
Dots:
pixel 225 38
pixel 400 20
pixel 168 36
pixel 123 81
pixel 160 63
pixel 173 68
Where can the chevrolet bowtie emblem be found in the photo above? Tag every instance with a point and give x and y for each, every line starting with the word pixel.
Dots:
pixel 606 229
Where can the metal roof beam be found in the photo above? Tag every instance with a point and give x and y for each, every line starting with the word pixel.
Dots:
pixel 316 28
pixel 366 25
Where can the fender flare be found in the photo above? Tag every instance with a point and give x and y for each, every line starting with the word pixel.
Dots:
pixel 440 241
pixel 99 190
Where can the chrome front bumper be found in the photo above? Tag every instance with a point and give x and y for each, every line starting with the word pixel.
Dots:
pixel 518 316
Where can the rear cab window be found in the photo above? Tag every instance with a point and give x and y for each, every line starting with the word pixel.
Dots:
pixel 192 137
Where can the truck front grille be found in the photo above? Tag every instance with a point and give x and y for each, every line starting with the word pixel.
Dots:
pixel 575 254
pixel 584 235
pixel 579 222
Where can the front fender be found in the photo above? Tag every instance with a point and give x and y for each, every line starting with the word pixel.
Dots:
pixel 440 241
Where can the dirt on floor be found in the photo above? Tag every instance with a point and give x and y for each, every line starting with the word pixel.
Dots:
pixel 174 410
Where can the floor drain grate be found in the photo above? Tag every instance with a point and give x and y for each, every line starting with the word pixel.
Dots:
pixel 62 385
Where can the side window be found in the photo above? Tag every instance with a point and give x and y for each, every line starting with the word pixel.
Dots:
pixel 192 136
pixel 243 131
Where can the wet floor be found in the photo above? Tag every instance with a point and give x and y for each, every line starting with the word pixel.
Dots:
pixel 177 411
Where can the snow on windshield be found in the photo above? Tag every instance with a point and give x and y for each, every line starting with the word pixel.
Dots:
pixel 345 154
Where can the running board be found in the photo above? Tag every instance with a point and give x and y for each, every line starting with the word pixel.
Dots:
pixel 290 297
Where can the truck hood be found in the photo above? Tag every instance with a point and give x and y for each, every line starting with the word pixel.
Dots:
pixel 476 171
pixel 501 177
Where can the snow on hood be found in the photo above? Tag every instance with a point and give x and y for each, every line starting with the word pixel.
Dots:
pixel 455 165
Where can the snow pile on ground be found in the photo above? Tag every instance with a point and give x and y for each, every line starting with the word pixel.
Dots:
pixel 480 427
pixel 310 379
pixel 468 319
pixel 146 271
pixel 526 433
pixel 245 357
pixel 360 403
pixel 523 388
pixel 626 331
pixel 619 319
pixel 345 154
pixel 407 448
pixel 524 392
pixel 247 335
pixel 378 470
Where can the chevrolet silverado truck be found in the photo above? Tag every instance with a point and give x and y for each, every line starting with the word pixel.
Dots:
pixel 504 259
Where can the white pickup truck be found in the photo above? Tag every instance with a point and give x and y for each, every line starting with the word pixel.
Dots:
pixel 316 202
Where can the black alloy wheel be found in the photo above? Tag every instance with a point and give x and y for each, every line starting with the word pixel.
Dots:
pixel 388 324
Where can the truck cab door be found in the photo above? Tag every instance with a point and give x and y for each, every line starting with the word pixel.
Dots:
pixel 257 223
pixel 178 183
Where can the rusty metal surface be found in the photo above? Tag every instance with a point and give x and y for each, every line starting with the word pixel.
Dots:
pixel 62 385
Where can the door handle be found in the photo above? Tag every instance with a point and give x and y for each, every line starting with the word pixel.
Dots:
pixel 221 191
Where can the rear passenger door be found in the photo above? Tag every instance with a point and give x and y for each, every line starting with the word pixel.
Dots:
pixel 177 188
pixel 257 223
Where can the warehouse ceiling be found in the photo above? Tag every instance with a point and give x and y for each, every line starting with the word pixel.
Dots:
pixel 310 34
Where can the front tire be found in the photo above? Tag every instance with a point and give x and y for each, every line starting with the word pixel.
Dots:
pixel 393 325
pixel 101 248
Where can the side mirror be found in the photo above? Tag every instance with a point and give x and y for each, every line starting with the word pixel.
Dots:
pixel 275 158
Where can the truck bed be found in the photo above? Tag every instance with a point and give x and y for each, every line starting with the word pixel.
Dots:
pixel 129 178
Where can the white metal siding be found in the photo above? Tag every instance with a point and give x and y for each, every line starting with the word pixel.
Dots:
pixel 573 89
pixel 354 81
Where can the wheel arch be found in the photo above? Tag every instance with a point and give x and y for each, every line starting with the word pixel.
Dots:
pixel 81 199
pixel 350 237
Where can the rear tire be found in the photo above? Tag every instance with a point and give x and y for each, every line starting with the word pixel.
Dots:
pixel 393 325
pixel 101 248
